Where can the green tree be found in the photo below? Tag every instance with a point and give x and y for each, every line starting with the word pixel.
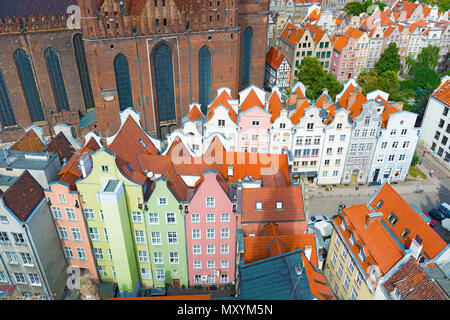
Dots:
pixel 354 8
pixel 389 59
pixel 429 57
pixel 381 5
pixel 312 75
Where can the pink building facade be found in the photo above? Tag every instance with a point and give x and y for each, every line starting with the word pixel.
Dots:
pixel 211 233
pixel 344 58
pixel 67 214
pixel 254 130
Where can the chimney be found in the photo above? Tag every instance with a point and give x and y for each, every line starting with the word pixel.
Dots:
pixel 308 251
pixel 230 171
pixel 371 217
pixel 351 100
pixel 397 105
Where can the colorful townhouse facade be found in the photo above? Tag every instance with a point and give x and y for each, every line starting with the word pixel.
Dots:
pixel 369 240
pixel 211 231
pixel 31 256
pixel 278 69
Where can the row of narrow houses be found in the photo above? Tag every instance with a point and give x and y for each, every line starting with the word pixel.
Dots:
pixel 355 139
pixel 123 210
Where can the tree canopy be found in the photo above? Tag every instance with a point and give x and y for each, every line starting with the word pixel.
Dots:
pixel 355 8
pixel 312 75
pixel 389 59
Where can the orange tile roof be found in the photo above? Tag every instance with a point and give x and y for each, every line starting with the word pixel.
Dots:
pixel 275 106
pixel 343 100
pixel 385 22
pixel 442 93
pixel 250 101
pixel 355 33
pixel 337 21
pixel 62 146
pixel 292 34
pixel 195 113
pixel 271 229
pixel 388 31
pixel 221 99
pixel 331 111
pixel 317 282
pixel 292 204
pixel 357 107
pixel 71 172
pixel 426 11
pixel 300 112
pixel 127 145
pixel 28 142
pixel 274 180
pixel 408 218
pixel 274 57
pixel 257 248
pixel 421 23
pixel 388 110
pixel 377 243
pixel 340 43
pixel 178 147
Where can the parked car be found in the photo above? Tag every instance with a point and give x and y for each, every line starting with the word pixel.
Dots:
pixel 431 222
pixel 445 208
pixel 314 219
pixel 436 214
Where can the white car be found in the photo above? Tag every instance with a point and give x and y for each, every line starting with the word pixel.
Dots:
pixel 314 219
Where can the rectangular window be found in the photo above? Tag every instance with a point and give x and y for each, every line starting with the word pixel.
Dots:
pixel 340 269
pixel 3 277
pixel 346 282
pixel 210 234
pixel 196 234
pixel 210 202
pixel 62 198
pixel 210 249
pixel 225 233
pixel 57 214
pixel 63 235
pixel 143 258
pixel 105 232
pixel 81 254
pixel 145 273
pixel 136 217
pixel 170 218
pixel 162 201
pixel 98 254
pixel 197 264
pixel 195 218
pixel 173 258
pixel 76 234
pixel 69 253
pixel 196 249
pixel 158 258
pixel 19 278
pixel 93 234
pixel 351 266
pixel 225 217
pixel 11 257
pixel 105 169
pixel 224 249
pixel 224 264
pixel 153 218
pixel 333 259
pixel 89 214
pixel 392 218
pixel 34 279
pixel 172 238
pixel 156 237
pixel 210 264
pixel 221 123
pixel 70 214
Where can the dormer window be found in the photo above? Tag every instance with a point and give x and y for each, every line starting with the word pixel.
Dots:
pixel 392 219
pixel 259 205
pixel 373 274
pixel 352 238
pixel 379 204
pixel 142 143
pixel 405 233
pixel 361 254
pixel 343 225
pixel 279 204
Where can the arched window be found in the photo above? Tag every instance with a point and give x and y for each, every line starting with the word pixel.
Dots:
pixel 123 81
pixel 29 85
pixel 56 77
pixel 165 100
pixel 204 78
pixel 83 71
pixel 247 47
pixel 6 112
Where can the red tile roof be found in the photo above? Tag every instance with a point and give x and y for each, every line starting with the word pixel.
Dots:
pixel 442 93
pixel 413 283
pixel 408 218
pixel 379 247
pixel 290 196
pixel 195 114
pixel 341 43
pixel 275 106
pixel 128 143
pixel 71 172
pixel 292 34
pixel 222 99
pixel 274 57
pixel 62 146
pixel 300 112
pixel 28 142
pixel 317 282
pixel 250 101
pixel 23 196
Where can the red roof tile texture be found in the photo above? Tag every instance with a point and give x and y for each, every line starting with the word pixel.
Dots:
pixel 61 146
pixel 292 204
pixel 317 282
pixel 442 93
pixel 28 142
pixel 274 57
pixel 407 218
pixel 221 99
pixel 24 196
pixel 251 101
pixel 413 283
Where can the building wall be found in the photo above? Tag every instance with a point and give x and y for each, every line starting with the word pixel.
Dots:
pixel 397 169
pixel 211 188
pixel 229 130
pixel 246 128
pixel 332 276
pixel 171 271
pixel 431 132
pixel 281 138
pixel 61 41
pixel 72 202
